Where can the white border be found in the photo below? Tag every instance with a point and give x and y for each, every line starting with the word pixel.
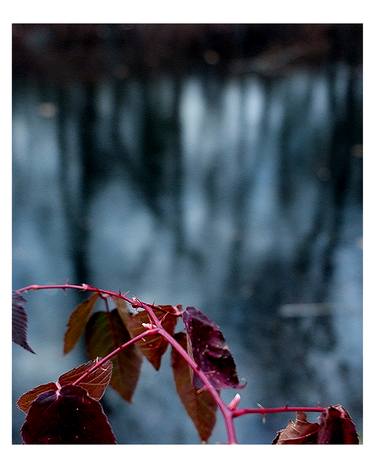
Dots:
pixel 161 11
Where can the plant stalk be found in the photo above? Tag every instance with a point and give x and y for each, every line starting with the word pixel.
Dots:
pixel 228 413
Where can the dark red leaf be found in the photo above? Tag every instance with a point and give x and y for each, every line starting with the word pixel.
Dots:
pixel 300 431
pixel 19 322
pixel 94 383
pixel 66 416
pixel 199 404
pixel 174 310
pixel 153 347
pixel 77 322
pixel 207 345
pixel 25 401
pixel 337 427
pixel 105 332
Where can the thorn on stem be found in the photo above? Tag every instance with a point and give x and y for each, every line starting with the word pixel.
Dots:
pixel 263 415
pixel 149 326
pixel 200 390
pixel 235 402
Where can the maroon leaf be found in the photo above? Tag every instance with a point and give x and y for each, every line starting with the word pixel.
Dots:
pixel 94 383
pixel 19 322
pixel 207 345
pixel 153 347
pixel 337 427
pixel 199 404
pixel 174 310
pixel 105 332
pixel 66 416
pixel 25 401
pixel 300 431
pixel 77 322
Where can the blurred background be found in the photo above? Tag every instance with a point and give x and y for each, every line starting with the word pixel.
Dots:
pixel 218 166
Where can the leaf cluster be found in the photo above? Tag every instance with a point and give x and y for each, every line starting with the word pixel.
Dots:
pixel 105 332
pixel 68 411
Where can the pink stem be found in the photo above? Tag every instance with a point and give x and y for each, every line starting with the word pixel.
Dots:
pixel 85 287
pixel 114 353
pixel 228 413
pixel 282 409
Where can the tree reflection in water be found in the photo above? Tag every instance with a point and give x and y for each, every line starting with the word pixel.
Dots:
pixel 240 195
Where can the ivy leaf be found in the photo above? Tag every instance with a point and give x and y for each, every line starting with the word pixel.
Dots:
pixel 94 383
pixel 77 322
pixel 199 404
pixel 105 332
pixel 66 416
pixel 153 347
pixel 300 431
pixel 19 322
pixel 207 346
pixel 337 427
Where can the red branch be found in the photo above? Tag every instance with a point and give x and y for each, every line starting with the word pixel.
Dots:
pixel 115 352
pixel 229 411
pixel 282 409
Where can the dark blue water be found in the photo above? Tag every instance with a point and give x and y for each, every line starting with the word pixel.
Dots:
pixel 241 196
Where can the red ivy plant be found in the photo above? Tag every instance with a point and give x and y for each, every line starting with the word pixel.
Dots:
pixel 68 411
